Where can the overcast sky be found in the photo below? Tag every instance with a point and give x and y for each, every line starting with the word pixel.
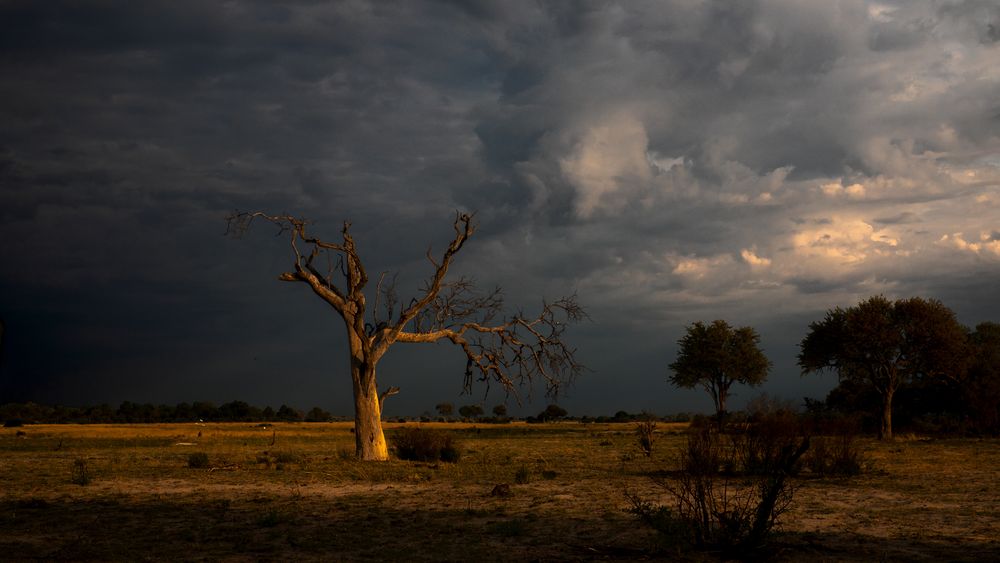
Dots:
pixel 667 161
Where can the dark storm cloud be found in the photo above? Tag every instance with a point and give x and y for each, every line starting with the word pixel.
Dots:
pixel 670 161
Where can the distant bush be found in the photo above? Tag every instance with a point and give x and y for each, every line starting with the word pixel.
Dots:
pixel 13 423
pixel 80 475
pixel 418 444
pixel 198 460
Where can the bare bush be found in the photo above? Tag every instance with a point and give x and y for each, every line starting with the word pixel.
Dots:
pixel 835 449
pixel 731 490
pixel 644 434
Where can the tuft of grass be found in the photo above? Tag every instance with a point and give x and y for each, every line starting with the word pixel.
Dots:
pixel 80 475
pixel 198 460
pixel 522 476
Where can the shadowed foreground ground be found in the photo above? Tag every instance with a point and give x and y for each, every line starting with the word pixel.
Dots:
pixel 303 498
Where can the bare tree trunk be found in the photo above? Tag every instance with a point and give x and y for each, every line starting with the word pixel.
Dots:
pixel 369 440
pixel 720 409
pixel 885 429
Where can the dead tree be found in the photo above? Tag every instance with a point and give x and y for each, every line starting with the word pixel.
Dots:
pixel 509 350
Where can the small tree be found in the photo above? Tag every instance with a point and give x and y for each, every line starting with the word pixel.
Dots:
pixel 552 412
pixel 445 409
pixel 716 356
pixel 508 350
pixel 885 344
pixel 317 414
pixel 470 411
pixel 500 411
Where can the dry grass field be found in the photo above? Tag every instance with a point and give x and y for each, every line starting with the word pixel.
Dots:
pixel 126 492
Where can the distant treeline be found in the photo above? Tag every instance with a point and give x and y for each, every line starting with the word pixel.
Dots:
pixel 240 411
pixel 129 412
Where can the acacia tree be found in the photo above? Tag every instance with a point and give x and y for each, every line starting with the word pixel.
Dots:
pixel 884 345
pixel 716 356
pixel 510 350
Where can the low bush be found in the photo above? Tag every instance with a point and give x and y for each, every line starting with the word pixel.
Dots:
pixel 418 444
pixel 522 476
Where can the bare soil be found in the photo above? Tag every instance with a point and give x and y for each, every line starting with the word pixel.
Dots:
pixel 293 492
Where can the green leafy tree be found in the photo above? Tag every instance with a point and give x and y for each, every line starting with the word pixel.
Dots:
pixel 715 356
pixel 884 345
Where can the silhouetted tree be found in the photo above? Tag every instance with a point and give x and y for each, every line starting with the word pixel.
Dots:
pixel 288 414
pixel 500 411
pixel 445 409
pixel 509 350
pixel 715 356
pixel 551 412
pixel 982 384
pixel 885 344
pixel 317 414
pixel 470 411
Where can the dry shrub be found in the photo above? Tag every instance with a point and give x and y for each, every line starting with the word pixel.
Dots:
pixel 731 490
pixel 418 444
pixel 644 434
pixel 835 449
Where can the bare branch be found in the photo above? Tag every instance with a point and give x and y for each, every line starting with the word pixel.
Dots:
pixel 463 230
pixel 385 394
pixel 303 270
pixel 515 351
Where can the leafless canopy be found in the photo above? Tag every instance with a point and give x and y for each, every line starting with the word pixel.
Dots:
pixel 509 350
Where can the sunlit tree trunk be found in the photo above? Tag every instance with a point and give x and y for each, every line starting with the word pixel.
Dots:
pixel 369 440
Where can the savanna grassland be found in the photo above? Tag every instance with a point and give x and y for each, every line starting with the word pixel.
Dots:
pixel 293 492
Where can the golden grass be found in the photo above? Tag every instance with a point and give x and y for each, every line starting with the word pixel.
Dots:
pixel 303 498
